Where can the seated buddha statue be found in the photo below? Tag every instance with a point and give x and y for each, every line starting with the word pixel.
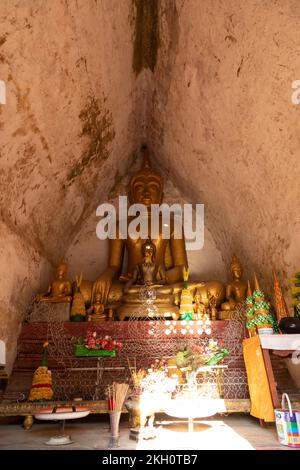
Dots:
pixel 148 272
pixel 145 187
pixel 148 283
pixel 60 289
pixel 97 311
pixel 236 290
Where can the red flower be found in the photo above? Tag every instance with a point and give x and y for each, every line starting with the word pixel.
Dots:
pixel 94 342
pixel 196 348
pixel 91 343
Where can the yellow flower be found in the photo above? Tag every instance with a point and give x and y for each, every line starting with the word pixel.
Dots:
pixel 295 290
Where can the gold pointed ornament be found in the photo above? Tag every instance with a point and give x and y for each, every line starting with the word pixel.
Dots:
pixel 186 299
pixel 280 304
pixel 249 290
pixel 78 312
pixel 256 284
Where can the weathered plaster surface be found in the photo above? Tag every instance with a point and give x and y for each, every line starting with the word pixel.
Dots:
pixel 69 128
pixel 70 120
pixel 222 122
pixel 23 272
pixel 213 102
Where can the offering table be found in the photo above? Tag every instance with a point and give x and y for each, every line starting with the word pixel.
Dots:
pixel 61 414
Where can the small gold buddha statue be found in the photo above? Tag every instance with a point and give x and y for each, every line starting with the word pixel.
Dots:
pixel 60 289
pixel 97 310
pixel 148 275
pixel 213 307
pixel 148 272
pixel 200 309
pixel 236 290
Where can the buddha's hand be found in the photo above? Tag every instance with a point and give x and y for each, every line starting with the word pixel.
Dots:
pixel 102 286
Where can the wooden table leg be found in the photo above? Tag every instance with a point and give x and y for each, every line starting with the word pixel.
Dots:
pixel 271 378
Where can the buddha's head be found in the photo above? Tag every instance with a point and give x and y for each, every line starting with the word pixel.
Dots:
pixel 148 250
pixel 98 298
pixel 146 186
pixel 61 269
pixel 236 268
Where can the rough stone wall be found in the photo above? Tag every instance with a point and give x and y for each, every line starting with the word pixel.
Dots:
pixel 68 130
pixel 70 123
pixel 23 272
pixel 222 122
pixel 206 83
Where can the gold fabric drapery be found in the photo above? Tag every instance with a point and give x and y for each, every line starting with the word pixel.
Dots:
pixel 260 396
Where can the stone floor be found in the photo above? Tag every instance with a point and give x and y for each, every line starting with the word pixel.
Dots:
pixel 232 432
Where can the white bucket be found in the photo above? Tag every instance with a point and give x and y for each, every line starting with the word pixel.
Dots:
pixel 265 331
pixel 288 424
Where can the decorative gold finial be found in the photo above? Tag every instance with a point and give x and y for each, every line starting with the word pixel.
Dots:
pixel 78 281
pixel 186 273
pixel 78 311
pixel 256 284
pixel 249 290
pixel 281 308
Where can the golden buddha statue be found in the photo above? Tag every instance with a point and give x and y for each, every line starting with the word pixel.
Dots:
pixel 205 290
pixel 200 309
pixel 145 187
pixel 148 275
pixel 148 272
pixel 213 307
pixel 97 311
pixel 60 289
pixel 236 290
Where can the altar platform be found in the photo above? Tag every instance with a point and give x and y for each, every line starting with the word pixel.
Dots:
pixel 86 378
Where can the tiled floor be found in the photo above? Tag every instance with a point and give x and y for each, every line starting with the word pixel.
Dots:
pixel 232 432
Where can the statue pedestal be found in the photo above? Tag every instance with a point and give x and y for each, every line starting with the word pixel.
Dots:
pixel 140 312
pixel 45 312
pixel 228 315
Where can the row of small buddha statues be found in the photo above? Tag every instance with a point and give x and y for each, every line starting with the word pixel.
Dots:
pixel 61 290
pixel 159 263
pixel 201 301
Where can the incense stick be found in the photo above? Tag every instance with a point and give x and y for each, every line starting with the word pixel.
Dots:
pixel 116 394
